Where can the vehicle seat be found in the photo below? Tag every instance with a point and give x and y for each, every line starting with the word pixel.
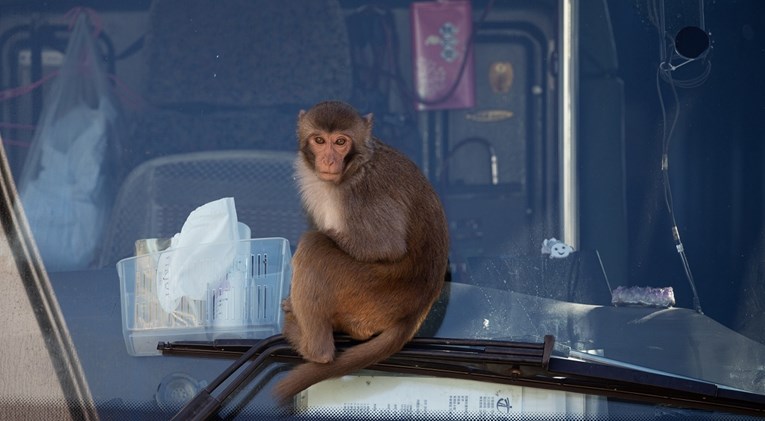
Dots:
pixel 226 75
pixel 158 196
pixel 231 74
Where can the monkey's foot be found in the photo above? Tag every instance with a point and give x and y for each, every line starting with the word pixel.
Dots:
pixel 321 360
pixel 360 334
pixel 321 355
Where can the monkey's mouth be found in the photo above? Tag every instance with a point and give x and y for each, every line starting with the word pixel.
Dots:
pixel 329 176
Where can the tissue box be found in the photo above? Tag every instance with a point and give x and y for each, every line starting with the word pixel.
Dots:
pixel 247 309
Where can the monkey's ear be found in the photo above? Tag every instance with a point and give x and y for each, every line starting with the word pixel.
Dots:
pixel 301 113
pixel 368 119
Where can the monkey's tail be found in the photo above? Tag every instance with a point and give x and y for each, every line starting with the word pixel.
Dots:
pixel 353 359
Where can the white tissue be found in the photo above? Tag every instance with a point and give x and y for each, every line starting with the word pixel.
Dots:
pixel 200 255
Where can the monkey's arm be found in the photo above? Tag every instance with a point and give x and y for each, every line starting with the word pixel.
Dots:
pixel 379 236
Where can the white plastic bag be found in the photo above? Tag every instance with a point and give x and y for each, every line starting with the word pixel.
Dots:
pixel 66 185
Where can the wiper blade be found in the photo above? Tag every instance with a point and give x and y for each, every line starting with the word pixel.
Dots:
pixel 518 363
pixel 484 351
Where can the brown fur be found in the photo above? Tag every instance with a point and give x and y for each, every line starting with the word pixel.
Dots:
pixel 377 259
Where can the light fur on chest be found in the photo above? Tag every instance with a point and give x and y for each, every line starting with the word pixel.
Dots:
pixel 322 200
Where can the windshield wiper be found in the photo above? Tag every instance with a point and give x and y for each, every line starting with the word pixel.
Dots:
pixel 517 363
pixel 456 358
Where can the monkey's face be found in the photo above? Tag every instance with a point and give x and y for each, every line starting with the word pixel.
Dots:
pixel 333 139
pixel 329 150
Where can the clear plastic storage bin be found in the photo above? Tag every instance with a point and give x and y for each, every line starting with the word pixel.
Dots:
pixel 243 303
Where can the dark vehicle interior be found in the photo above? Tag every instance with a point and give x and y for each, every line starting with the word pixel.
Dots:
pixel 202 102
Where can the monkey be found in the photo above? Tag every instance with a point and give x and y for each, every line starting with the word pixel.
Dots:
pixel 375 259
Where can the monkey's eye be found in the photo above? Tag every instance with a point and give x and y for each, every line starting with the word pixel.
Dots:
pixel 318 140
pixel 340 141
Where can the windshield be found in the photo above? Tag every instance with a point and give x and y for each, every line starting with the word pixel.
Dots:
pixel 599 164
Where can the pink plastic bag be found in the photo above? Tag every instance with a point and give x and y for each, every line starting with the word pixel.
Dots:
pixel 442 58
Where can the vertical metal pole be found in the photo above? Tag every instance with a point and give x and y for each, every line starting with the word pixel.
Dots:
pixel 568 127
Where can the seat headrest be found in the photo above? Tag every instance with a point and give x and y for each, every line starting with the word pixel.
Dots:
pixel 246 53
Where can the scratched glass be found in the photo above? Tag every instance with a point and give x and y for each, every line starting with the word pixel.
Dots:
pixel 599 163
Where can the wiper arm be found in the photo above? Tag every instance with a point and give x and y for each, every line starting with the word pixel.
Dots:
pixel 204 404
pixel 518 363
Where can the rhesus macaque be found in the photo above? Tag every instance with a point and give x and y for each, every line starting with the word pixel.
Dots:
pixel 377 258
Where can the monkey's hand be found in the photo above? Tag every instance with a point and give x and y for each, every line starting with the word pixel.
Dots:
pixel 287 305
